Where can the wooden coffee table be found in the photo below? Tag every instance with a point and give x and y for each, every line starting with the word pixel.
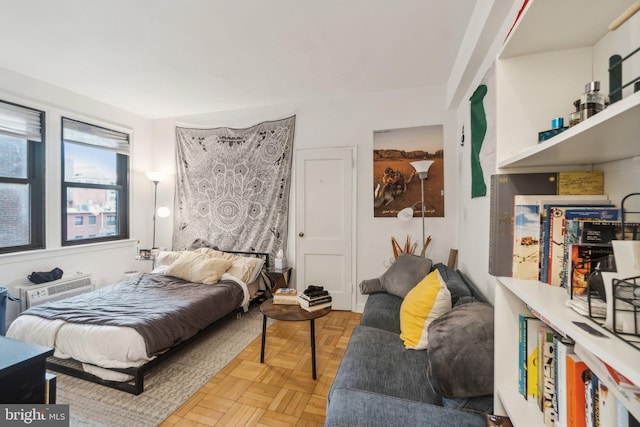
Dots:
pixel 286 313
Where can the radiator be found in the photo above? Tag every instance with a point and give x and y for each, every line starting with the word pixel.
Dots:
pixel 65 287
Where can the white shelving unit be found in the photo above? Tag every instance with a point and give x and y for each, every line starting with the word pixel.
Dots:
pixel 552 52
pixel 608 136
pixel 514 297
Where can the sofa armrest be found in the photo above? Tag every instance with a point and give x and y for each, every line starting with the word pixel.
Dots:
pixel 350 407
pixel 371 286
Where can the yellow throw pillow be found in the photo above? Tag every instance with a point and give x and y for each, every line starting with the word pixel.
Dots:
pixel 427 301
pixel 198 267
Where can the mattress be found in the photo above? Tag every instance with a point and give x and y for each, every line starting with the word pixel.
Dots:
pixel 127 324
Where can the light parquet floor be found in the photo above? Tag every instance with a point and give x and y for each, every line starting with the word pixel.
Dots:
pixel 279 392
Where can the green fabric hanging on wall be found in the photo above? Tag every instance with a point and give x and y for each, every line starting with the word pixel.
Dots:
pixel 478 131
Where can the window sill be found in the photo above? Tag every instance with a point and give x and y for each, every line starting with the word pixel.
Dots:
pixel 66 251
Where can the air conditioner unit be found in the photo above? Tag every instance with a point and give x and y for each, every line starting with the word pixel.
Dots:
pixel 31 294
pixel 59 289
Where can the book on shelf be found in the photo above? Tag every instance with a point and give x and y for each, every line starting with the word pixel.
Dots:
pixel 630 399
pixel 554 242
pixel 621 381
pixel 285 296
pixel 606 406
pixel 593 232
pixel 522 355
pixel 546 375
pixel 593 390
pixel 607 231
pixel 551 214
pixel 575 390
pixel 501 214
pixel 526 237
pixel 584 260
pixel 623 417
pixel 563 348
pixel 528 230
pixel 528 359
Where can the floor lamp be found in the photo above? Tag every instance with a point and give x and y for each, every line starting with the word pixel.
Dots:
pixel 422 168
pixel 156 177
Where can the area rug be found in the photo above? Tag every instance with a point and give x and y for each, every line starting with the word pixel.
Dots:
pixel 167 386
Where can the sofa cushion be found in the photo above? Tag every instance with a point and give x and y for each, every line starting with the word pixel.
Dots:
pixel 461 351
pixel 400 278
pixel 480 404
pixel 427 301
pixel 455 283
pixel 357 408
pixel 376 361
pixel 382 311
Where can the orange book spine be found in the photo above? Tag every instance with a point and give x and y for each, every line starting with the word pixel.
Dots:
pixel 575 391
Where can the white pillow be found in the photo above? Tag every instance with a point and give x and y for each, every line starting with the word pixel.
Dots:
pixel 166 257
pixel 160 270
pixel 256 269
pixel 198 268
pixel 245 268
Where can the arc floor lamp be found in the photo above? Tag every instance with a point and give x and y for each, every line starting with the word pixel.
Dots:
pixel 422 169
pixel 163 211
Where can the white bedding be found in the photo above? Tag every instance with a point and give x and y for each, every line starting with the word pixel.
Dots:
pixel 98 345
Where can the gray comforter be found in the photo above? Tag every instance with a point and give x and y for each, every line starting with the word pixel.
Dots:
pixel 164 310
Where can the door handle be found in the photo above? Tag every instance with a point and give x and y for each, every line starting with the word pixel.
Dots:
pixel 301 234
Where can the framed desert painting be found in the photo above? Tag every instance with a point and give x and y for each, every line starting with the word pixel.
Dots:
pixel 396 183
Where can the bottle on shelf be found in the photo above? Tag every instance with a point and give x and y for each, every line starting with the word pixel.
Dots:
pixel 591 101
pixel 574 118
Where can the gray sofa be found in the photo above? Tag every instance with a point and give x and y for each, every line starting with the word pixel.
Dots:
pixel 379 383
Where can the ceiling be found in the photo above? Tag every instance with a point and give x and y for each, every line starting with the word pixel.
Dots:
pixel 171 58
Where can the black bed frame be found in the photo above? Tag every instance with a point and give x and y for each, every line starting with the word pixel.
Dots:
pixel 136 385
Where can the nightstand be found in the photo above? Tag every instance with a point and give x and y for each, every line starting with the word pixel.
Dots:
pixel 276 278
pixel 22 372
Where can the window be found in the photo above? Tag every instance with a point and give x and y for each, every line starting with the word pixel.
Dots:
pixel 95 183
pixel 22 169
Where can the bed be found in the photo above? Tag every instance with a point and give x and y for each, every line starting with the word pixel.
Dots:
pixel 115 334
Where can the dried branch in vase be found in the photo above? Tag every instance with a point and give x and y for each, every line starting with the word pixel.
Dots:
pixel 408 248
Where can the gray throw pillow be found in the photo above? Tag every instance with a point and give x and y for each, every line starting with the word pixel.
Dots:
pixel 405 273
pixel 461 351
pixel 455 284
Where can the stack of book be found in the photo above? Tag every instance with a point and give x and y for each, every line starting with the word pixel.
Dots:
pixel 314 298
pixel 285 296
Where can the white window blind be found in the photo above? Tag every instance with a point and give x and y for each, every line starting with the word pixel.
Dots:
pixel 20 122
pixel 83 133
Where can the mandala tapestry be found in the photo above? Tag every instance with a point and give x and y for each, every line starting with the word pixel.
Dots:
pixel 232 186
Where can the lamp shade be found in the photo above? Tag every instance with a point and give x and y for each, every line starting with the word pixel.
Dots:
pixel 422 167
pixel 405 214
pixel 156 176
pixel 163 212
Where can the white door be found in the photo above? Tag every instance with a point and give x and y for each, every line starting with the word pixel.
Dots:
pixel 324 222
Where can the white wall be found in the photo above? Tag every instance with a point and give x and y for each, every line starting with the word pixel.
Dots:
pixel 106 261
pixel 351 122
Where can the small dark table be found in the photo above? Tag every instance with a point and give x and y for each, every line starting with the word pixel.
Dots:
pixel 276 278
pixel 22 371
pixel 288 312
